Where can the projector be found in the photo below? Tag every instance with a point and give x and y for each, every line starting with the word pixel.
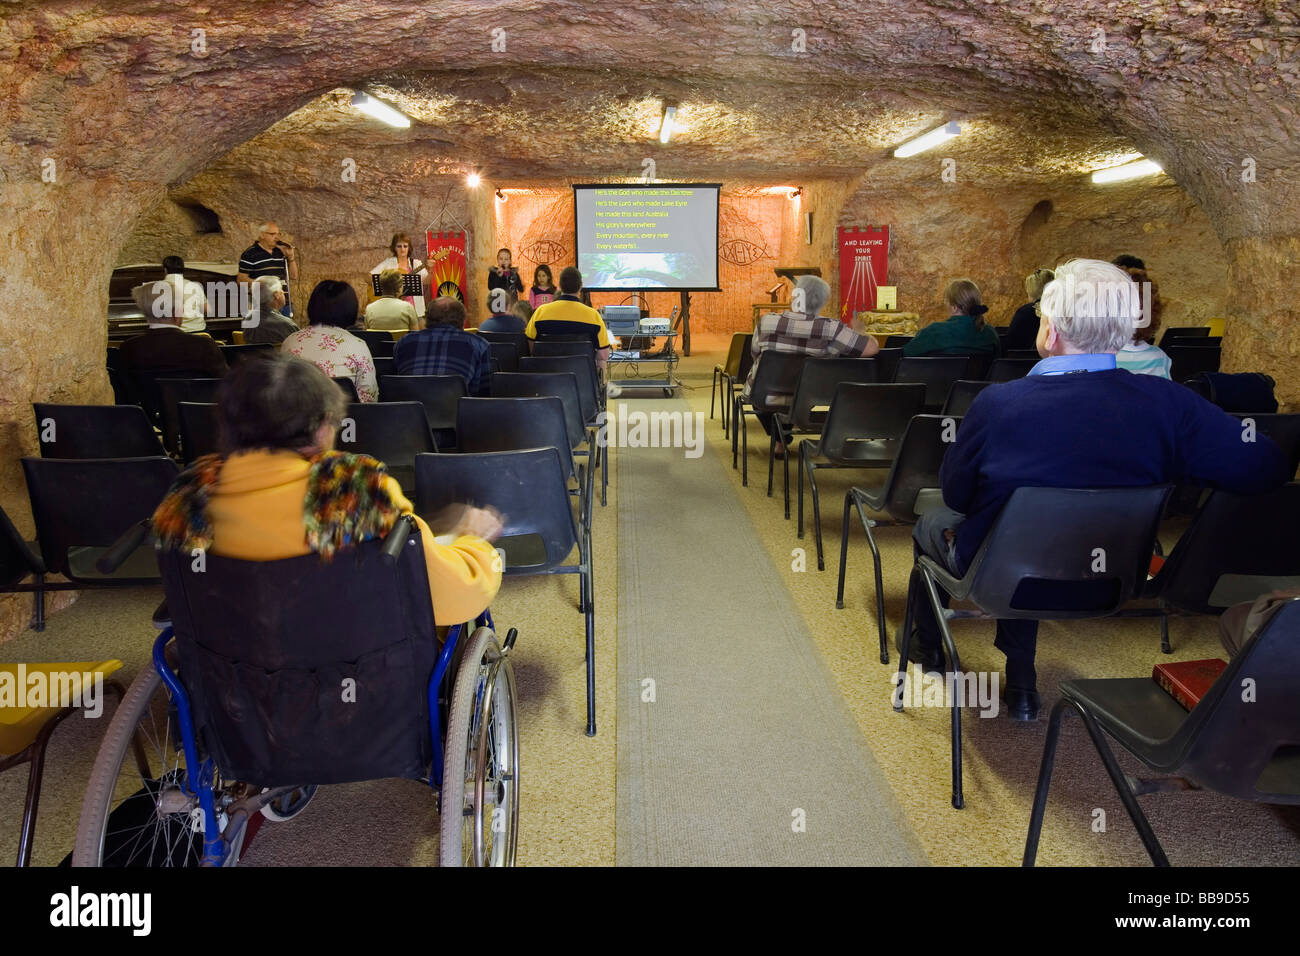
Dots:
pixel 654 326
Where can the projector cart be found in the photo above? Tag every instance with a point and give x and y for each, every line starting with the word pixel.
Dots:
pixel 665 356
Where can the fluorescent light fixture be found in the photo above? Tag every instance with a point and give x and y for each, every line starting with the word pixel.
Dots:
pixel 1143 167
pixel 666 127
pixel 929 141
pixel 380 110
pixel 472 180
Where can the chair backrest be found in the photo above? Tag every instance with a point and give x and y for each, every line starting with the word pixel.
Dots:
pixel 234 354
pixel 1243 738
pixel 377 340
pixel 505 357
pixel 865 422
pixel 200 429
pixel 16 559
pixel 897 341
pixel 776 379
pixel 144 382
pixel 266 649
pixel 124 391
pixel 563 385
pixel 1284 430
pixel 94 431
pixel 740 342
pixel 746 358
pixel 513 424
pixel 916 465
pixel 1029 354
pixel 887 363
pixel 529 488
pixel 1189 360
pixel 1059 553
pixel 1236 548
pixel 936 373
pixel 1236 392
pixel 89 504
pixel 349 387
pixel 583 368
pixel 962 395
pixel 563 345
pixel 437 393
pixel 516 340
pixel 172 391
pixel 1008 370
pixel 384 365
pixel 551 328
pixel 393 432
pixel 818 381
pixel 1184 332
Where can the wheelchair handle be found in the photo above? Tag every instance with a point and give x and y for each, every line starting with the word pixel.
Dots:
pixel 396 539
pixel 123 547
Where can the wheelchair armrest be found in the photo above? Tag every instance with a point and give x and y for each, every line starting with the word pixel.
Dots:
pixel 396 539
pixel 123 547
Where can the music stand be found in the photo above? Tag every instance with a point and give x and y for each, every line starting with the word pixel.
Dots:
pixel 412 284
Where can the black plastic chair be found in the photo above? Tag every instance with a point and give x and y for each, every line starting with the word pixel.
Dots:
pixel 590 394
pixel 1189 360
pixel 1052 554
pixel 17 563
pixel 1236 548
pixel 564 386
pixel 910 490
pixel 1284 430
pixel 729 366
pixel 384 365
pixel 144 383
pixel 124 392
pixel 82 507
pixel 563 345
pixel 896 341
pixel 529 489
pixel 173 391
pixel 234 354
pixel 379 341
pixel 961 396
pixel 936 373
pixel 807 412
pixel 94 431
pixel 1030 355
pixel 200 429
pixel 887 364
pixel 863 429
pixel 1238 747
pixel 516 340
pixel 349 388
pixel 1008 370
pixel 1183 332
pixel 505 357
pixel 393 432
pixel 565 330
pixel 439 395
pixel 735 382
pixel 773 390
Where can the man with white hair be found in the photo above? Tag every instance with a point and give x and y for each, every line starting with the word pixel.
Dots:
pixel 802 331
pixel 265 322
pixel 1076 421
pixel 270 256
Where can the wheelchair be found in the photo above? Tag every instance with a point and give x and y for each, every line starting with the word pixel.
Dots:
pixel 272 678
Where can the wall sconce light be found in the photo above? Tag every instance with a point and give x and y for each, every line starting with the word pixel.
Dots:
pixel 501 197
pixel 796 193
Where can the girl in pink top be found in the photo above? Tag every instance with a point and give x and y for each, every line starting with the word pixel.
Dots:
pixel 541 293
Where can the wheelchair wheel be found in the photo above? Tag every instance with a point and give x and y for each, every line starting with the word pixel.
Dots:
pixel 290 805
pixel 136 811
pixel 480 788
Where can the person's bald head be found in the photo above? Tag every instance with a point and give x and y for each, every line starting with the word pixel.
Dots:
pixel 445 310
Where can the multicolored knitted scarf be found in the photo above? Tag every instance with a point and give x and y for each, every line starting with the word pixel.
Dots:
pixel 346 503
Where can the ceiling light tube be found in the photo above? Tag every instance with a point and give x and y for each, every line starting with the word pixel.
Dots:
pixel 1143 167
pixel 380 110
pixel 666 126
pixel 928 141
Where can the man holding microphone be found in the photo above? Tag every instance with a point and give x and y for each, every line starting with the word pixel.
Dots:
pixel 270 256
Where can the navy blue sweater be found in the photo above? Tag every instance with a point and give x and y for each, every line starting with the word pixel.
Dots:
pixel 1105 429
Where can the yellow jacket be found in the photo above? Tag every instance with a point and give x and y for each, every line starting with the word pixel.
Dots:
pixel 256 513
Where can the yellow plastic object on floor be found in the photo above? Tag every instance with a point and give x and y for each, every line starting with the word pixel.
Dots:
pixel 20 722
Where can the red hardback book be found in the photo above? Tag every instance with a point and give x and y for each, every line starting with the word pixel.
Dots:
pixel 1187 681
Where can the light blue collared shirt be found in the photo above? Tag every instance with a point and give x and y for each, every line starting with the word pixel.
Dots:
pixel 1068 364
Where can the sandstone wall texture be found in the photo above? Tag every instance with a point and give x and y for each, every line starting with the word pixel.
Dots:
pixel 105 110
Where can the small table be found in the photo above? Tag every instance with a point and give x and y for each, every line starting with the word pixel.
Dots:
pixel 667 357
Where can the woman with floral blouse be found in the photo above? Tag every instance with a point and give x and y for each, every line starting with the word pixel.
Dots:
pixel 328 345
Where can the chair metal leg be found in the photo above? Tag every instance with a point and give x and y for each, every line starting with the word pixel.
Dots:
pixel 1164 634
pixel 816 514
pixel 803 464
pixel 604 475
pixel 958 802
pixel 713 390
pixel 744 452
pixel 1044 783
pixel 785 480
pixel 735 434
pixel 1126 796
pixel 844 550
pixel 880 587
pixel 771 454
pixel 905 648
pixel 38 609
pixel 591 649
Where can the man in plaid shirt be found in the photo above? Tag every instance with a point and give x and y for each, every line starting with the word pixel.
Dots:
pixel 445 348
pixel 803 331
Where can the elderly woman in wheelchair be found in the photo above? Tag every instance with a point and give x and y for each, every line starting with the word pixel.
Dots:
pixel 306 604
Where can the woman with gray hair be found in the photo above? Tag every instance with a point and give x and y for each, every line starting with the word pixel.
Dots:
pixel 1023 331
